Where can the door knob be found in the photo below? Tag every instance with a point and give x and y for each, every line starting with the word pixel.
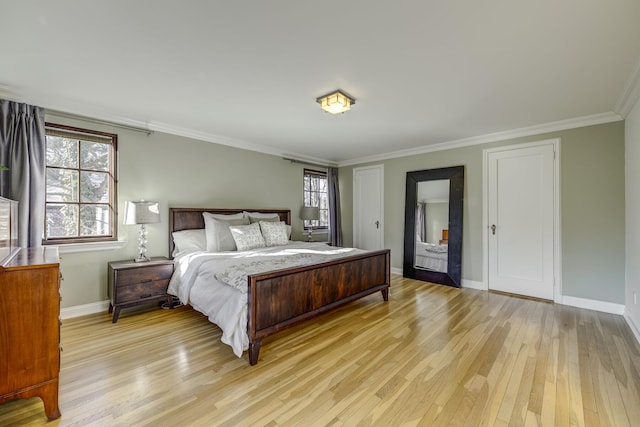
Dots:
pixel 493 229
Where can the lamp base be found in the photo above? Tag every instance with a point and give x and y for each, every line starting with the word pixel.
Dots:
pixel 142 258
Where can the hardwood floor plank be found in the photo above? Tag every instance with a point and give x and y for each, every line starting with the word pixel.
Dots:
pixel 432 355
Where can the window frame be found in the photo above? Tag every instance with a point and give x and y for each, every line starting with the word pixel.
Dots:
pixel 323 174
pixel 112 140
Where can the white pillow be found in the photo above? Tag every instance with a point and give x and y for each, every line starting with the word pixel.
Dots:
pixel 189 240
pixel 247 236
pixel 261 216
pixel 224 217
pixel 274 233
pixel 218 236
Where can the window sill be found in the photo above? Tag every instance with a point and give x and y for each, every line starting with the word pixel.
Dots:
pixel 70 248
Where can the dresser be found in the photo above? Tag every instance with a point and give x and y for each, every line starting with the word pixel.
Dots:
pixel 132 283
pixel 30 327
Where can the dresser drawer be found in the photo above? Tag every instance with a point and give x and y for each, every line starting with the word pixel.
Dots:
pixel 138 291
pixel 144 274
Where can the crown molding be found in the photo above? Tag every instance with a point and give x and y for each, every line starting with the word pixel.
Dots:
pixel 624 105
pixel 577 122
pixel 630 94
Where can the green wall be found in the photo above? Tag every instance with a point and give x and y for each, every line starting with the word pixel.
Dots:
pixel 178 172
pixel 632 208
pixel 592 207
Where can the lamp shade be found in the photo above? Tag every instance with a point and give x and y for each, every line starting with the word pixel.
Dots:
pixel 141 212
pixel 310 213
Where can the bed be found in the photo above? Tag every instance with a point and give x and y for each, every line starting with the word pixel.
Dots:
pixel 432 257
pixel 275 299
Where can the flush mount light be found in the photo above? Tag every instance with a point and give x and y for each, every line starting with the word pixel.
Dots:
pixel 336 102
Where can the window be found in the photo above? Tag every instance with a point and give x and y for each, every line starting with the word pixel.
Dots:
pixel 80 185
pixel 315 194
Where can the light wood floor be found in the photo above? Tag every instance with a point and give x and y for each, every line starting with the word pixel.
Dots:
pixel 432 355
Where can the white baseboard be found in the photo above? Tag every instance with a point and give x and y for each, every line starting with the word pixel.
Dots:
pixel 634 327
pixel 590 304
pixel 396 270
pixel 84 309
pixel 473 284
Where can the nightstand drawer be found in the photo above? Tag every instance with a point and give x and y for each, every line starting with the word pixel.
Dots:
pixel 137 291
pixel 144 274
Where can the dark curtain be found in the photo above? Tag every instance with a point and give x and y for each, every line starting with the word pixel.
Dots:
pixel 22 150
pixel 421 222
pixel 335 223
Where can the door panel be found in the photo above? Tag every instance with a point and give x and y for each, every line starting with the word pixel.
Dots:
pixel 368 207
pixel 521 207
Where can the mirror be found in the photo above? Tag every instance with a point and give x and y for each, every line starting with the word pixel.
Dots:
pixel 433 225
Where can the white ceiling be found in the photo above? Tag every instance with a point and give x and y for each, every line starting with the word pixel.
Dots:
pixel 247 73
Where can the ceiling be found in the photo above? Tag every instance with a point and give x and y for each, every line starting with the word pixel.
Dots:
pixel 247 73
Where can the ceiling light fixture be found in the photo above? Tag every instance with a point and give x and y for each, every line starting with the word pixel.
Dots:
pixel 336 102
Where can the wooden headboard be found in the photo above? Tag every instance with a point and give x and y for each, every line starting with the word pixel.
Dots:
pixel 191 218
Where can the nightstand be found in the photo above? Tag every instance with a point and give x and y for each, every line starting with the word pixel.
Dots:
pixel 133 283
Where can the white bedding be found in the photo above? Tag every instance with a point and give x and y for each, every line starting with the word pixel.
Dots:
pixel 199 279
pixel 432 257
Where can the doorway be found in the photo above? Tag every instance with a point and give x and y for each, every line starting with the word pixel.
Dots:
pixel 368 207
pixel 522 217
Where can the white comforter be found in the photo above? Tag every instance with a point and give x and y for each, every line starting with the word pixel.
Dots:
pixel 215 283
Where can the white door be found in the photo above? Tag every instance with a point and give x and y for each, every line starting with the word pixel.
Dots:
pixel 521 215
pixel 368 207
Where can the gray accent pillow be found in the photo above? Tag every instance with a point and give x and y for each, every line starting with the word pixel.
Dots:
pixel 274 233
pixel 219 238
pixel 247 236
pixel 260 216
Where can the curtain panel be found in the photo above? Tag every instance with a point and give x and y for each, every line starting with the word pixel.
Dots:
pixel 22 150
pixel 421 221
pixel 335 222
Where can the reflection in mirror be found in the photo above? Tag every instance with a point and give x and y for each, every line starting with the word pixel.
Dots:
pixel 432 225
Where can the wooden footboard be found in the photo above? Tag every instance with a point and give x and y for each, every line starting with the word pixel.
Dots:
pixel 283 298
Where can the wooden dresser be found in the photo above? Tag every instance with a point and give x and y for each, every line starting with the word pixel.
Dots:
pixel 30 327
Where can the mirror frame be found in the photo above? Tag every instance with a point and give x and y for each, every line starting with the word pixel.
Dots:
pixel 455 175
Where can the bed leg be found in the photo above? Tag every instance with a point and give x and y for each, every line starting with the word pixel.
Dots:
pixel 254 351
pixel 385 294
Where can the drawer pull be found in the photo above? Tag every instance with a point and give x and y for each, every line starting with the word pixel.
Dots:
pixel 146 296
pixel 146 281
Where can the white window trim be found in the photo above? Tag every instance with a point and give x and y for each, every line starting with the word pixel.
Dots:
pixel 70 248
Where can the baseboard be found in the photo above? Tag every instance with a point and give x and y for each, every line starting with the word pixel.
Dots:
pixel 473 284
pixel 396 270
pixel 590 304
pixel 84 309
pixel 633 326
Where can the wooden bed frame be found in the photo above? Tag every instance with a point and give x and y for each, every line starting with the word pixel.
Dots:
pixel 283 298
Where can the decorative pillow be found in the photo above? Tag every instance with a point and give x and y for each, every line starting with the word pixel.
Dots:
pixel 218 236
pixel 189 240
pixel 247 236
pixel 274 233
pixel 260 216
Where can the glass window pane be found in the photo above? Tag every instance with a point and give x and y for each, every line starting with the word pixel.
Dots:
pixel 62 152
pixel 61 221
pixel 324 218
pixel 94 156
pixel 323 202
pixel 62 185
pixel 94 187
pixel 94 220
